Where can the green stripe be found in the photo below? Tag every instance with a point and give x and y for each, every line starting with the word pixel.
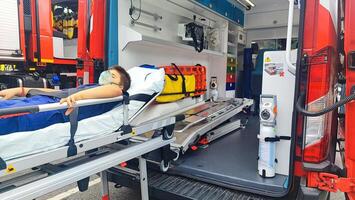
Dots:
pixel 231 70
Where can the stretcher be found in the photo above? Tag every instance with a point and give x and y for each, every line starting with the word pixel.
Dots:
pixel 25 164
pixel 147 82
pixel 35 189
pixel 198 118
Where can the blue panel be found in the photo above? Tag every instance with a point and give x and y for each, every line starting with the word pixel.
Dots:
pixel 225 8
pixel 248 68
pixel 230 86
pixel 112 45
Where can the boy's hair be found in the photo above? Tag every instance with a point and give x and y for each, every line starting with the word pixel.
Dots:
pixel 125 78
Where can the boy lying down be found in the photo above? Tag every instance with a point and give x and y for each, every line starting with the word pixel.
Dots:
pixel 112 83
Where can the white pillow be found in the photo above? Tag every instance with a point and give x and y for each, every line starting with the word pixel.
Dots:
pixel 146 80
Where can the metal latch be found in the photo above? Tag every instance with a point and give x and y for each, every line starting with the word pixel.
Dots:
pixel 332 183
pixel 351 60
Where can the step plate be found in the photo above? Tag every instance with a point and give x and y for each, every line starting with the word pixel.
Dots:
pixel 163 186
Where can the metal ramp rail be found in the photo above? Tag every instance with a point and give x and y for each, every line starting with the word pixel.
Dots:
pixel 37 188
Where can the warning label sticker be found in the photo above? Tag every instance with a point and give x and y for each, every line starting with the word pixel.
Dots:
pixel 274 68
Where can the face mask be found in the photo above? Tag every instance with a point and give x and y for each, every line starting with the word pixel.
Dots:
pixel 105 78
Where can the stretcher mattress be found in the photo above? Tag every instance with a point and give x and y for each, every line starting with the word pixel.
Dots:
pixel 30 122
pixel 19 144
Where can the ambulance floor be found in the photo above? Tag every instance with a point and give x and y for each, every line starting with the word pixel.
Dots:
pixel 231 162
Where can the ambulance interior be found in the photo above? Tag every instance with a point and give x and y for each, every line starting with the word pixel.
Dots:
pixel 65 29
pixel 235 56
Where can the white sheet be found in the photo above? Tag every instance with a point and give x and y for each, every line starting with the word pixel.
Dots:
pixel 144 81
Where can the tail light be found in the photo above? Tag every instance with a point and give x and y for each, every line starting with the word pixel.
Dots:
pixel 316 144
pixel 320 95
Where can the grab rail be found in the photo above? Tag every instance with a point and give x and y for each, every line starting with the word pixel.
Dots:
pixel 291 67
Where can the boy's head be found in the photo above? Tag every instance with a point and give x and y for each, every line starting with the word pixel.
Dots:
pixel 120 77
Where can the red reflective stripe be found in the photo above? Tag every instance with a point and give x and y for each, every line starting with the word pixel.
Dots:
pixel 13 115
pixel 124 164
pixel 203 141
pixel 194 148
pixel 61 61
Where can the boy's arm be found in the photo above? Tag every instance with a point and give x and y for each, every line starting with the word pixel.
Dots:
pixel 105 91
pixel 10 93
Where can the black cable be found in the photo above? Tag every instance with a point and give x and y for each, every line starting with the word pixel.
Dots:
pixel 131 11
pixel 300 106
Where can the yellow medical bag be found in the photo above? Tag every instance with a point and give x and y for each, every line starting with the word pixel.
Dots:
pixel 177 87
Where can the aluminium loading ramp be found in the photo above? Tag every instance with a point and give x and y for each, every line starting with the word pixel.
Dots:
pixel 206 120
pixel 202 121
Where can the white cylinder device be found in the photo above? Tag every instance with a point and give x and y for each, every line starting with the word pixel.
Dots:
pixel 267 149
pixel 213 89
pixel 267 152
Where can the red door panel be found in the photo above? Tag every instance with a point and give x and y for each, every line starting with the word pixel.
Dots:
pixel 84 67
pixel 97 29
pixel 42 33
pixel 349 45
pixel 320 45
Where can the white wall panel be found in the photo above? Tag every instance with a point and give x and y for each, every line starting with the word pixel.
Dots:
pixel 268 20
pixel 9 27
pixel 144 53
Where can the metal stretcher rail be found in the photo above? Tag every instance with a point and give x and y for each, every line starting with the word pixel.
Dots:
pixel 56 106
pixel 59 180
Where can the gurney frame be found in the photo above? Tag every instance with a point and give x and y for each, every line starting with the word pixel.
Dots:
pixel 78 173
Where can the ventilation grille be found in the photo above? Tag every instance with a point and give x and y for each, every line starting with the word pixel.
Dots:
pixel 27 7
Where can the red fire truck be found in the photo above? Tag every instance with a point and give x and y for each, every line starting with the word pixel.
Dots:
pixel 36 40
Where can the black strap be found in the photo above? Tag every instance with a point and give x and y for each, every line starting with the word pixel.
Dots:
pixel 141 97
pixel 186 93
pixel 2 164
pixel 183 79
pixel 277 138
pixel 73 117
pixel 57 94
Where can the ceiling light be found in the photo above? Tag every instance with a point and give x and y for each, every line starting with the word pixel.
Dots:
pixel 250 3
pixel 247 4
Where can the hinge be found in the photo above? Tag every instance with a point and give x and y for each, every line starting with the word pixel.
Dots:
pixel 332 183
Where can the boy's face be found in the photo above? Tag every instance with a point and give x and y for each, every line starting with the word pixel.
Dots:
pixel 116 77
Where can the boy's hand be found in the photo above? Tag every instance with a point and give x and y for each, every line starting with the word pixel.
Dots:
pixel 9 93
pixel 71 101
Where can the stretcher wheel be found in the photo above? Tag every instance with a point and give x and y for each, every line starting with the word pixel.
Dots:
pixel 177 155
pixel 168 133
pixel 164 166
